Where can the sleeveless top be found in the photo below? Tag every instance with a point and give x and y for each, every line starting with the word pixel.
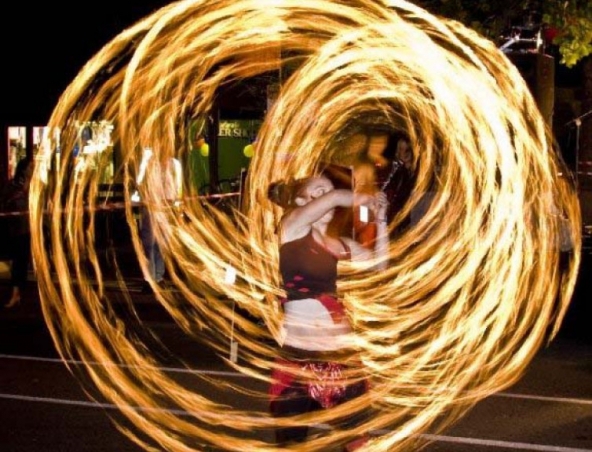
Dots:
pixel 308 268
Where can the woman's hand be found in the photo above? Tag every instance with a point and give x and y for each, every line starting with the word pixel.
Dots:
pixel 376 202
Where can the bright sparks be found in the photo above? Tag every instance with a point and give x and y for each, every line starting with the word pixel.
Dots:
pixel 473 290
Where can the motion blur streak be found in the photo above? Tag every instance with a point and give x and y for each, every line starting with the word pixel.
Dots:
pixel 474 288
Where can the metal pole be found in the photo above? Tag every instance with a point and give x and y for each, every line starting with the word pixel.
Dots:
pixel 578 123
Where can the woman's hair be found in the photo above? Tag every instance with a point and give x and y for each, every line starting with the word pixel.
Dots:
pixel 284 193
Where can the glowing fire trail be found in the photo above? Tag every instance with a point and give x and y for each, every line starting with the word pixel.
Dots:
pixel 474 288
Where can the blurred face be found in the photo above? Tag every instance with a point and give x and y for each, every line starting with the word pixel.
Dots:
pixel 376 147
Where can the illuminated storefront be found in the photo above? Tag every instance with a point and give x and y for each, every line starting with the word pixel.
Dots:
pixel 17 148
pixel 94 150
pixel 235 150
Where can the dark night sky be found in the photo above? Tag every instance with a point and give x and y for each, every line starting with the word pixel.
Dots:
pixel 44 45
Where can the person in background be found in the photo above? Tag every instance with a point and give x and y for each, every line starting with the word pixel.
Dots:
pixel 398 180
pixel 367 169
pixel 315 326
pixel 166 173
pixel 387 164
pixel 16 204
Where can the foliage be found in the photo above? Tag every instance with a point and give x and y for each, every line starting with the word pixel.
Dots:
pixel 573 21
pixel 489 17
pixel 567 22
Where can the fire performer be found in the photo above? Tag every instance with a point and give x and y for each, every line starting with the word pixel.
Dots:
pixel 316 329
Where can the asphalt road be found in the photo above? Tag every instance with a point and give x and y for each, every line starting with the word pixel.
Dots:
pixel 44 407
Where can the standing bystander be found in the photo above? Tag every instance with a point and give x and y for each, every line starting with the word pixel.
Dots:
pixel 167 174
pixel 16 205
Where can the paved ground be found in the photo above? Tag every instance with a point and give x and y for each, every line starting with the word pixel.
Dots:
pixel 43 408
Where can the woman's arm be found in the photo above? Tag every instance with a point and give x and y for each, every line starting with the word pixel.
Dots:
pixel 299 220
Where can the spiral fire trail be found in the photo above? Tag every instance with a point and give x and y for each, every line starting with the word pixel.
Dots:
pixel 473 289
